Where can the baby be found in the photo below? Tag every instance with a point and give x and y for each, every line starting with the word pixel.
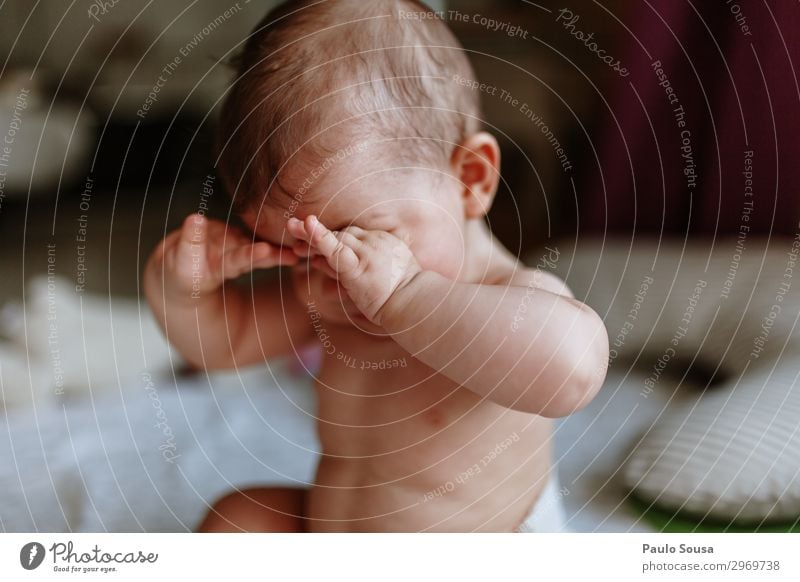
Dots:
pixel 353 152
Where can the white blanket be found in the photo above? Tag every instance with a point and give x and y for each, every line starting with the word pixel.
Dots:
pixel 153 457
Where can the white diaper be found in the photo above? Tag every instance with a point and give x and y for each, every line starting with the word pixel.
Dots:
pixel 547 515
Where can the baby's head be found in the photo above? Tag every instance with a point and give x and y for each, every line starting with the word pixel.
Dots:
pixel 357 112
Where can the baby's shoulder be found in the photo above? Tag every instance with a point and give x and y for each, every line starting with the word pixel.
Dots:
pixel 521 275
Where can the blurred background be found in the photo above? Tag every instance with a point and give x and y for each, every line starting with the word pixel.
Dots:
pixel 91 122
pixel 121 99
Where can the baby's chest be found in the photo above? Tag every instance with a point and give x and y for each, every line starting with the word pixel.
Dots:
pixel 398 391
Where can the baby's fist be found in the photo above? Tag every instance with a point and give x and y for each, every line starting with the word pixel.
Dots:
pixel 199 257
pixel 371 265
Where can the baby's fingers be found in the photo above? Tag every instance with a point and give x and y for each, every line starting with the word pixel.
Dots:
pixel 338 250
pixel 264 255
pixel 321 263
pixel 191 246
pixel 297 229
pixel 260 255
pixel 303 249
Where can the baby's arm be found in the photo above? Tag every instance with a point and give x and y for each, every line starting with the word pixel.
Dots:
pixel 551 361
pixel 211 322
pixel 525 347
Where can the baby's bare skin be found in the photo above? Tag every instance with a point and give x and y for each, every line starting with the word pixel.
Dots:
pixel 408 449
pixel 454 435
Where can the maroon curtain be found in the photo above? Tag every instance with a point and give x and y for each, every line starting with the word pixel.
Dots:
pixel 733 68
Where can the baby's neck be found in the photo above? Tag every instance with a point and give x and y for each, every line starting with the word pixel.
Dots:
pixel 483 254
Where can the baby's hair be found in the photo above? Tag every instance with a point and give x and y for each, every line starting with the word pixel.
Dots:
pixel 317 76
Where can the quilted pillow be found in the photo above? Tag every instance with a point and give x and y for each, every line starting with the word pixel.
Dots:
pixel 732 455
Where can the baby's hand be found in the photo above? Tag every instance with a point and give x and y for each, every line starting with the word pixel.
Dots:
pixel 199 257
pixel 370 264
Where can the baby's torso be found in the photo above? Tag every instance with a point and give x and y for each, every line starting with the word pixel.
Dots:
pixel 406 449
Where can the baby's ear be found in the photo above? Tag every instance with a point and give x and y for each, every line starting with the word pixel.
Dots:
pixel 476 163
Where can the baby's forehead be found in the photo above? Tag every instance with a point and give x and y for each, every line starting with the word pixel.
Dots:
pixel 344 185
pixel 340 182
pixel 336 208
pixel 373 199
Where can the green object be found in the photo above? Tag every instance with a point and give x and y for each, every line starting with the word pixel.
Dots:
pixel 667 521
